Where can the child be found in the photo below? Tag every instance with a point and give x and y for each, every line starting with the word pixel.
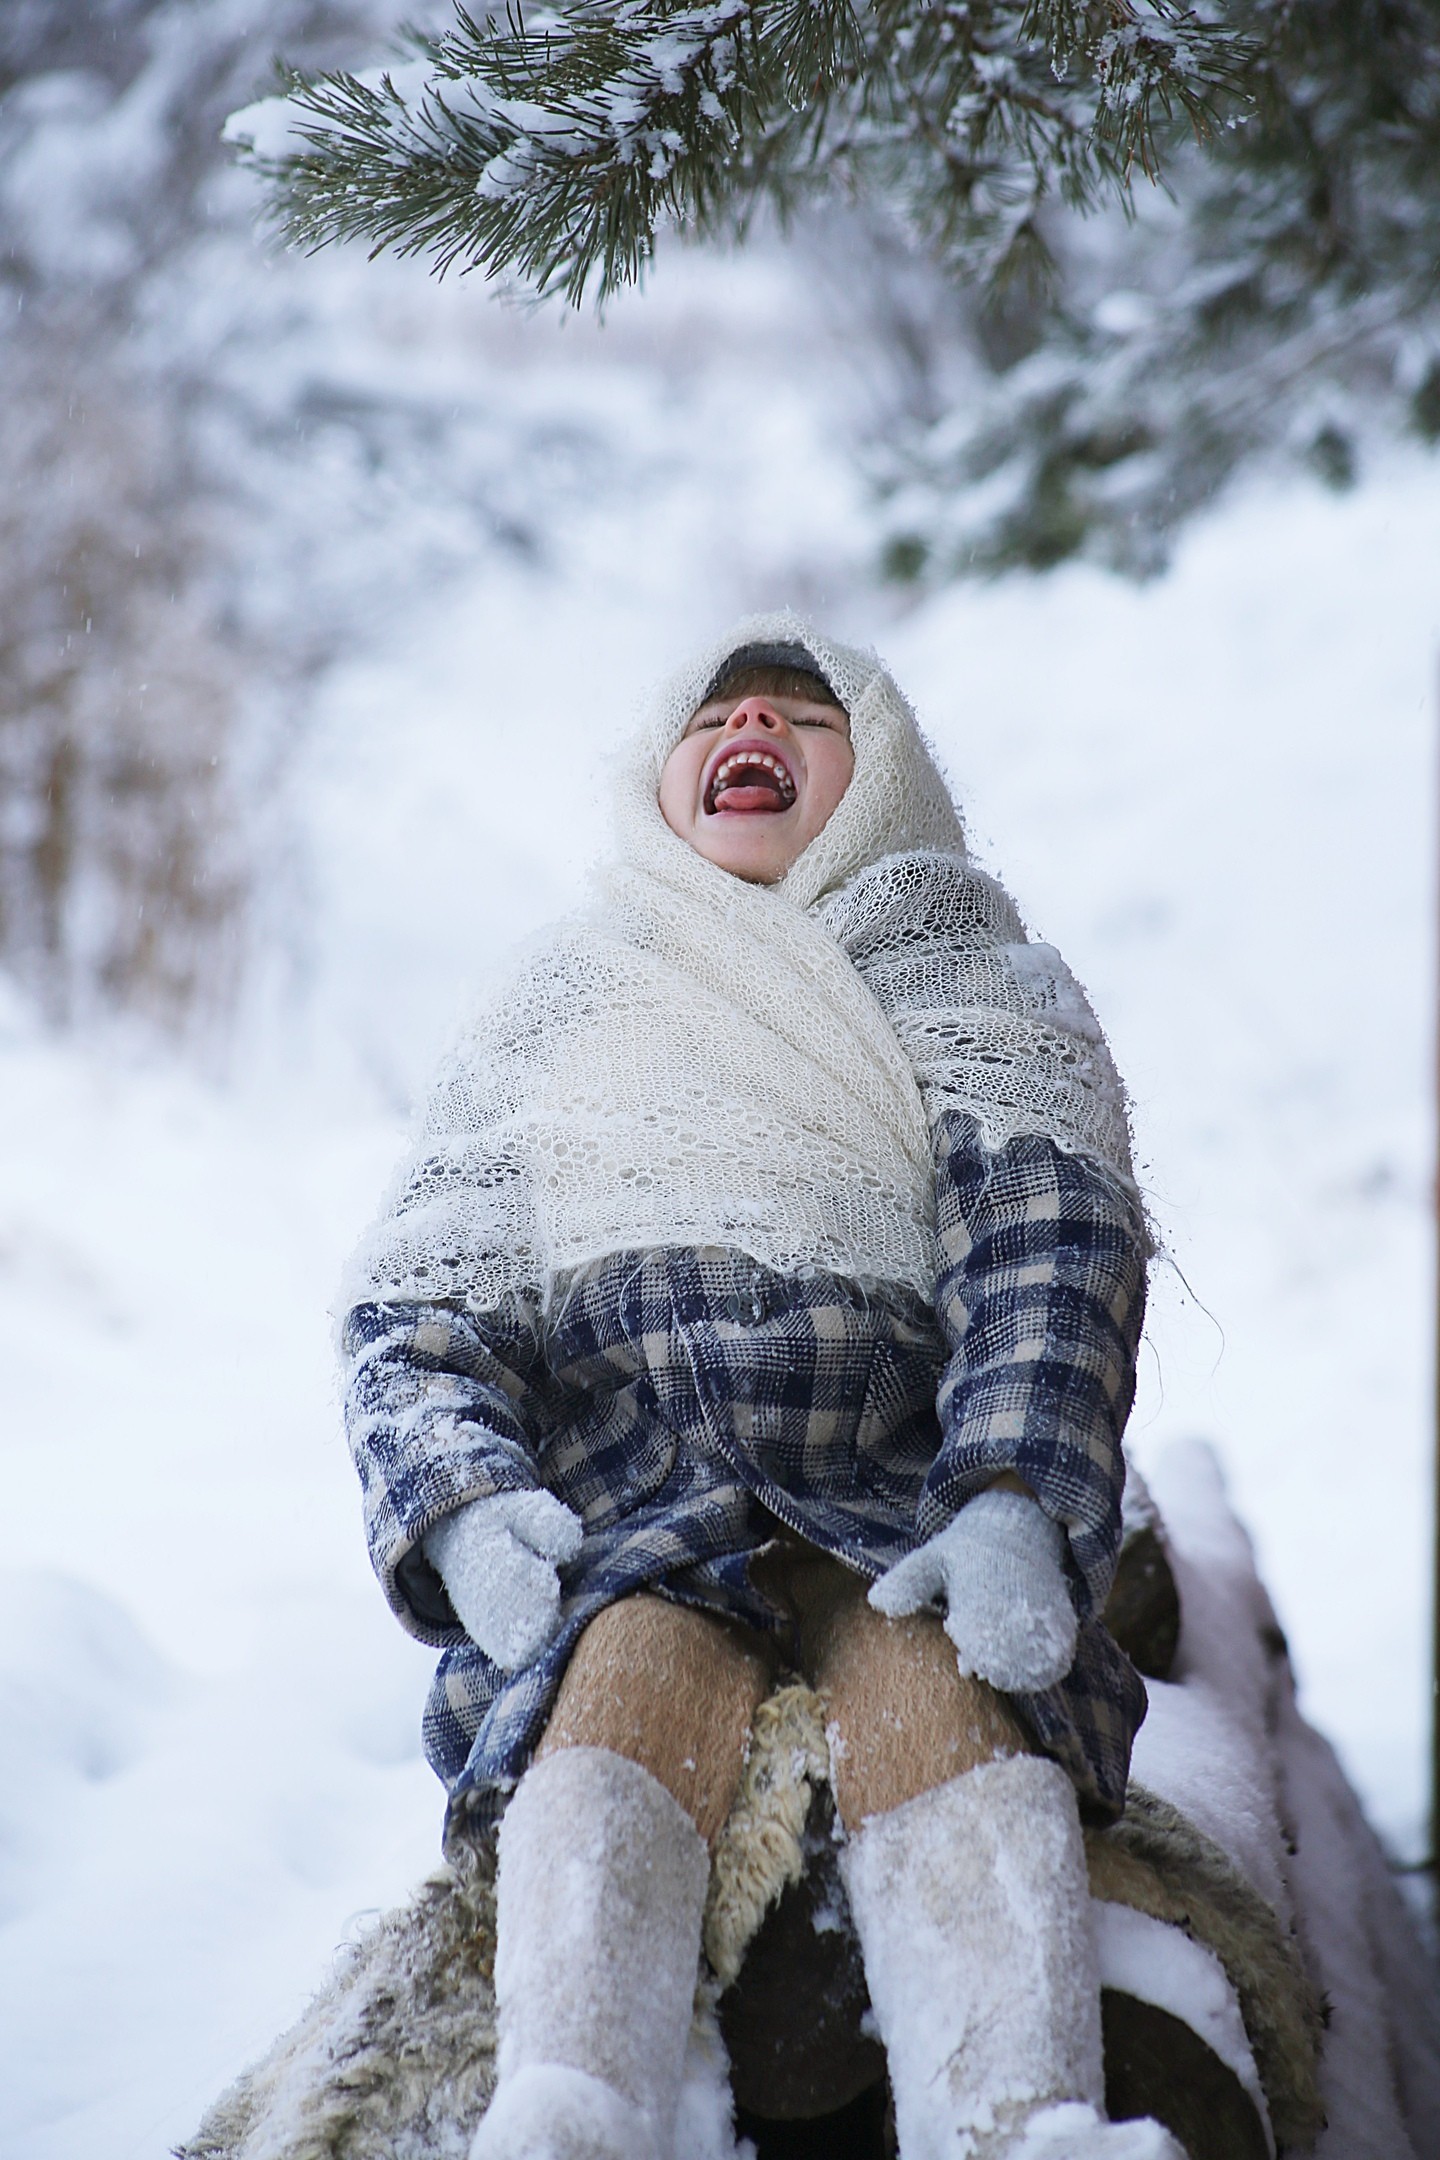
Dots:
pixel 764 1293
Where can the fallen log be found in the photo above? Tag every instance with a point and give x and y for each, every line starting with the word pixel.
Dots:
pixel 1239 1890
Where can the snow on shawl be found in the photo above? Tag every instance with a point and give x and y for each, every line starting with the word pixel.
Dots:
pixel 694 1060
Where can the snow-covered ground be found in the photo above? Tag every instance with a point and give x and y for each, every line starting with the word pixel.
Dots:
pixel 1214 794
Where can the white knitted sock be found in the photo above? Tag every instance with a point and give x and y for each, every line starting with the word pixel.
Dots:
pixel 972 1905
pixel 600 1892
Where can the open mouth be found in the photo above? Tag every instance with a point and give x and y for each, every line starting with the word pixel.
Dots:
pixel 749 778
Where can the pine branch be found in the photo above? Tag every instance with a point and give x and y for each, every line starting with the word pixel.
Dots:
pixel 555 146
pixel 1286 308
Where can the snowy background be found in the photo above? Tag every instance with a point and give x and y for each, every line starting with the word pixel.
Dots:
pixel 487 529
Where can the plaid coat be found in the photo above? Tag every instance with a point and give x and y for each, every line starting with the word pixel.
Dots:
pixel 682 1402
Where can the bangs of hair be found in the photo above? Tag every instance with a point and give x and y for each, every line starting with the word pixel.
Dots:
pixel 768 681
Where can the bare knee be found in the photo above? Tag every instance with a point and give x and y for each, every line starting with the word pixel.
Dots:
pixel 903 1718
pixel 671 1689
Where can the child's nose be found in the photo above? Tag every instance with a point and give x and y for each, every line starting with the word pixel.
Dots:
pixel 753 712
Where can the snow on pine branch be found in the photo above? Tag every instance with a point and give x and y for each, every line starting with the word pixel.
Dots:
pixel 1280 307
pixel 549 144
pixel 555 145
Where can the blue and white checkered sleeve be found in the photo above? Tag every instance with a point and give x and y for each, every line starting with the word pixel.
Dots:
pixel 1041 1296
pixel 440 1409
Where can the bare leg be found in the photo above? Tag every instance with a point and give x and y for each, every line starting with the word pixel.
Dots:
pixel 903 1718
pixel 966 1876
pixel 602 1881
pixel 671 1689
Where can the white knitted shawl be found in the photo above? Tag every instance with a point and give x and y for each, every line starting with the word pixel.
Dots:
pixel 695 1060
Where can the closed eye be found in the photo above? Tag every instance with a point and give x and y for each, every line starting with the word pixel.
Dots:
pixel 837 722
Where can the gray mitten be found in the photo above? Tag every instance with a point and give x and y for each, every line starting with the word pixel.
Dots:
pixel 1000 1568
pixel 497 1559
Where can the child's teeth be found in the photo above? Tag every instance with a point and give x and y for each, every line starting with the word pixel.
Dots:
pixel 733 767
pixel 754 758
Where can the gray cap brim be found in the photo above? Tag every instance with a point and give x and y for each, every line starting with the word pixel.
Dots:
pixel 791 654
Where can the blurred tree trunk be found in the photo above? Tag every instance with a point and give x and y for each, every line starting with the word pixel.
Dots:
pixel 127 665
pixel 120 868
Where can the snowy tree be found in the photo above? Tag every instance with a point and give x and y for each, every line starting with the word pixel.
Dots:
pixel 1257 276
pixel 193 469
pixel 225 472
pixel 125 662
pixel 1279 303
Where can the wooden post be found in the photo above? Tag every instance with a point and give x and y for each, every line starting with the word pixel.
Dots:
pixel 1433 1851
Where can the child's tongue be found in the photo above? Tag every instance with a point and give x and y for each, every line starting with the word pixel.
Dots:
pixel 758 797
pixel 757 792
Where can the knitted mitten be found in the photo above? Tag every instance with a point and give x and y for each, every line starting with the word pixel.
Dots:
pixel 497 1559
pixel 1000 1568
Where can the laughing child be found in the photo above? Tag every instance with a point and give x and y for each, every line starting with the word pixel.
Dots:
pixel 763 1294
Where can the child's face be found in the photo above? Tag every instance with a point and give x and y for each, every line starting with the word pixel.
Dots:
pixel 753 780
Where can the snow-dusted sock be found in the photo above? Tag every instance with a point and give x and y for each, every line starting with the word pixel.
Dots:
pixel 972 1906
pixel 705 2122
pixel 599 1897
pixel 1074 2131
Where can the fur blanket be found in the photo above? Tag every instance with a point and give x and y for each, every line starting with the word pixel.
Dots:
pixel 394 2059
